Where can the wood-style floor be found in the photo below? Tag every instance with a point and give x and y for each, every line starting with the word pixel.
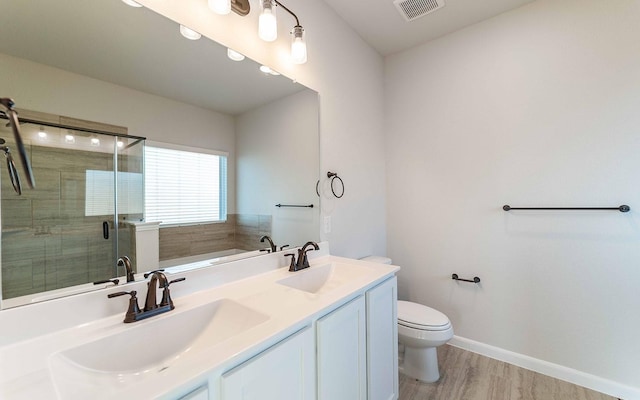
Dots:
pixel 470 376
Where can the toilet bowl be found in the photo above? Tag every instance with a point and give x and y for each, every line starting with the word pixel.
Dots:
pixel 420 330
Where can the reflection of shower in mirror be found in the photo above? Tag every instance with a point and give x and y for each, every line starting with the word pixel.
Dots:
pixel 11 114
pixel 11 166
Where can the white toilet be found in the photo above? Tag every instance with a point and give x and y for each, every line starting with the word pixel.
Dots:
pixel 420 330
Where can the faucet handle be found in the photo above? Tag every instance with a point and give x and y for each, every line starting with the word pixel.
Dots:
pixel 177 280
pixel 166 295
pixel 282 247
pixel 114 281
pixel 132 293
pixel 147 274
pixel 292 266
pixel 133 310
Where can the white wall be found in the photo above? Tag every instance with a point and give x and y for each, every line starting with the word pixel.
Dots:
pixel 277 163
pixel 536 107
pixel 39 87
pixel 348 75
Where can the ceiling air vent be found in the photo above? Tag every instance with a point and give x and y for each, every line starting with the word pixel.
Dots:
pixel 414 9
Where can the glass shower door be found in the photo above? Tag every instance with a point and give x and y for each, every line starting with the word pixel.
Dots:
pixel 130 196
pixel 65 232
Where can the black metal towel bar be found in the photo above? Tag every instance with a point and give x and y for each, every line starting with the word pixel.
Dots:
pixel 474 280
pixel 622 208
pixel 294 205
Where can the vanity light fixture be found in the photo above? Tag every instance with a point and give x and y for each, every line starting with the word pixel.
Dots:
pixel 132 3
pixel 234 55
pixel 268 30
pixel 95 141
pixel 120 144
pixel 222 7
pixel 68 138
pixel 42 134
pixel 267 23
pixel 298 45
pixel 189 33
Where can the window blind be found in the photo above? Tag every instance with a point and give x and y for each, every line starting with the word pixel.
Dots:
pixel 99 192
pixel 184 187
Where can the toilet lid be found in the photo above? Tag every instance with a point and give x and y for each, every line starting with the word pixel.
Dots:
pixel 417 316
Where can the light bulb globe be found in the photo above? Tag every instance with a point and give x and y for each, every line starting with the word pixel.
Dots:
pixel 221 7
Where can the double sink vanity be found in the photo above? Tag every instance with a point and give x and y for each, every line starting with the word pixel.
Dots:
pixel 248 329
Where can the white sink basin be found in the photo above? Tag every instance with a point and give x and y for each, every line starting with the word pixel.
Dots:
pixel 149 346
pixel 324 278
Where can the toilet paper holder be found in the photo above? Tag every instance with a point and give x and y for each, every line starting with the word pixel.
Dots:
pixel 474 280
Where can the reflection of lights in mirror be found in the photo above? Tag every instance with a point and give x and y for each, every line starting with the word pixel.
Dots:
pixel 41 133
pixel 95 141
pixel 120 144
pixel 68 138
pixel 132 3
pixel 234 55
pixel 222 7
pixel 268 70
pixel 189 33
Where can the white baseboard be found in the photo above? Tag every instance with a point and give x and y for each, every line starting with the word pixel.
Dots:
pixel 546 368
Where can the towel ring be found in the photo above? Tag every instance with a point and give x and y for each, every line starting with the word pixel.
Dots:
pixel 333 177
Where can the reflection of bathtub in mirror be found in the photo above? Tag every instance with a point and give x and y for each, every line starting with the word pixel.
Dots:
pixel 182 264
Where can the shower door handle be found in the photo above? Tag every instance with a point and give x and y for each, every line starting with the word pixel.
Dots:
pixel 105 230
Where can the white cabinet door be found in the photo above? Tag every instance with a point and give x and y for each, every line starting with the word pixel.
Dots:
pixel 282 372
pixel 382 341
pixel 341 352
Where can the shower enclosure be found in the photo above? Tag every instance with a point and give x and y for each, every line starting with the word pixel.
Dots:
pixel 71 229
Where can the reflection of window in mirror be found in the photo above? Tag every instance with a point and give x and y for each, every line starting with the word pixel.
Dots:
pixel 99 193
pixel 184 185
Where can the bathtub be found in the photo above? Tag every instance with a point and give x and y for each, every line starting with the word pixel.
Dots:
pixel 177 265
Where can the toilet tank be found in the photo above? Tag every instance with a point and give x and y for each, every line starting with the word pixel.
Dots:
pixel 377 259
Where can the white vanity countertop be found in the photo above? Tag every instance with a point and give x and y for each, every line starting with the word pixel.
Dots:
pixel 28 368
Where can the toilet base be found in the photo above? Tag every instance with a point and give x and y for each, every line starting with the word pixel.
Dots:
pixel 421 364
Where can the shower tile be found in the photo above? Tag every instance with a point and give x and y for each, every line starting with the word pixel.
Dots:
pixel 17 278
pixel 16 213
pixel 47 185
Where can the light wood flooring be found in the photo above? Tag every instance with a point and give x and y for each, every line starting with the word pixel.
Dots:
pixel 470 376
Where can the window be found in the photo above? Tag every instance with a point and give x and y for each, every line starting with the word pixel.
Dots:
pixel 184 185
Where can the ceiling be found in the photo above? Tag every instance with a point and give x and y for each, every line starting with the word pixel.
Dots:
pixel 380 24
pixel 136 48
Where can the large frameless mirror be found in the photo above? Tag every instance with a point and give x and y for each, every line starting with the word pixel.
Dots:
pixel 111 64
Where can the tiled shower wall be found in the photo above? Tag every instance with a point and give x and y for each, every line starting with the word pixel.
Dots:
pixel 240 231
pixel 47 241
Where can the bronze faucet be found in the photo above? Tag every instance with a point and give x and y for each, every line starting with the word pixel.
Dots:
pixel 125 262
pixel 158 279
pixel 151 307
pixel 303 261
pixel 272 246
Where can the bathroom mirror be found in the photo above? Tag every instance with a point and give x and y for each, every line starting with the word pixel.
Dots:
pixel 110 63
